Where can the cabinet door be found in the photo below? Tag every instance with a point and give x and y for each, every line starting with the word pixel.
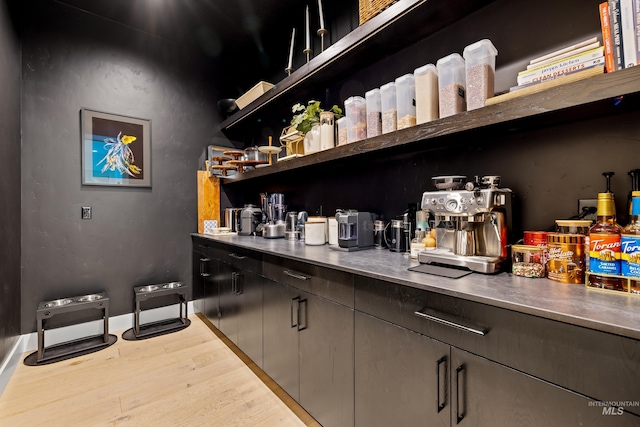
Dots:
pixel 198 264
pixel 248 291
pixel 485 393
pixel 280 331
pixel 326 360
pixel 211 294
pixel 401 377
pixel 226 279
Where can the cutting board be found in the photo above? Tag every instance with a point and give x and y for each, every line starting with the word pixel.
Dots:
pixel 208 199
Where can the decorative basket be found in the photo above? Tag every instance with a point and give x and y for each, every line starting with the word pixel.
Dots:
pixel 370 8
pixel 293 140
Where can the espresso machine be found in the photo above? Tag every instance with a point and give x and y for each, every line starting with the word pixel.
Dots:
pixel 355 230
pixel 276 211
pixel 472 220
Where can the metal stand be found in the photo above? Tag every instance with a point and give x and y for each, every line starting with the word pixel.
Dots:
pixel 308 53
pixel 73 348
pixel 152 329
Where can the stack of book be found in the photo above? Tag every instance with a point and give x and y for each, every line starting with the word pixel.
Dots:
pixel 578 57
pixel 620 23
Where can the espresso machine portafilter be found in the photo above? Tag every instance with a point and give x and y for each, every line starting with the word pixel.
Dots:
pixel 472 222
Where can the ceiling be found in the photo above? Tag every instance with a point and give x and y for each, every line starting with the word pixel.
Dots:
pixel 242 33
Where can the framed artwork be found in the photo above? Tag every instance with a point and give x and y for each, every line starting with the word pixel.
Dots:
pixel 116 150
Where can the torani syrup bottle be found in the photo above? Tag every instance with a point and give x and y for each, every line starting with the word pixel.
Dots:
pixel 604 246
pixel 630 262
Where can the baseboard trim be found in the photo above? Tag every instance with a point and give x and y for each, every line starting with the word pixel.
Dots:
pixel 29 342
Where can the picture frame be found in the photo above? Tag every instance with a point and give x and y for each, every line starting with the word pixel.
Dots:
pixel 116 149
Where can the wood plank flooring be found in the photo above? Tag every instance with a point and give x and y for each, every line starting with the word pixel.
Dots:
pixel 194 377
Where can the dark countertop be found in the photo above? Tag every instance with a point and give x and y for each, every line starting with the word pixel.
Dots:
pixel 616 313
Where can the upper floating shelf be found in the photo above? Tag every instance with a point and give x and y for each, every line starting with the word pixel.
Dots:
pixel 578 100
pixel 403 23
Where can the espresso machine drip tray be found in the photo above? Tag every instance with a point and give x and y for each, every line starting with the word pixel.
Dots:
pixel 438 270
pixel 479 264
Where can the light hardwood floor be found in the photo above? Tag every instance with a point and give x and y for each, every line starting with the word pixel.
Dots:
pixel 194 377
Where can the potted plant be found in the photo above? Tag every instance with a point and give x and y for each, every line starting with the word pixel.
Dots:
pixel 305 117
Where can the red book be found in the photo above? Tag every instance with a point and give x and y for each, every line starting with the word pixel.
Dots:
pixel 606 37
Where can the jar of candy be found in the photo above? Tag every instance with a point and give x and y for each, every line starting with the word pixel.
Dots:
pixel 527 261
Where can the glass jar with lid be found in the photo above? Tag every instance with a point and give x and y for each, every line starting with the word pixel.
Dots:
pixel 527 261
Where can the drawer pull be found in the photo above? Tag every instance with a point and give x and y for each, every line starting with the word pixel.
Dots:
pixel 236 256
pixel 296 275
pixel 439 318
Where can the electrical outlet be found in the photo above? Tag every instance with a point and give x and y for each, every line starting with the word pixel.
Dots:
pixel 86 212
pixel 590 204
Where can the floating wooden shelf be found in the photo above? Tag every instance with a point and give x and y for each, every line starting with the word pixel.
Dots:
pixel 574 101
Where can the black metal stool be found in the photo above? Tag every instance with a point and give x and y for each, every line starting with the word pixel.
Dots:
pixel 152 329
pixel 73 348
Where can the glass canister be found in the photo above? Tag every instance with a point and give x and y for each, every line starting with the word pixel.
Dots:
pixel 566 257
pixel 426 93
pixel 451 85
pixel 342 130
pixel 356 113
pixel 389 107
pixel 527 261
pixel 406 101
pixel 374 112
pixel 327 130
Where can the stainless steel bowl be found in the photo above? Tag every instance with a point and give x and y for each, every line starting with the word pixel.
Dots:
pixel 149 288
pixel 172 285
pixel 89 298
pixel 57 302
pixel 449 182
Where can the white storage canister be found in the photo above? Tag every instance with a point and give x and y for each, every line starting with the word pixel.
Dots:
pixel 406 101
pixel 374 112
pixel 451 85
pixel 426 93
pixel 389 108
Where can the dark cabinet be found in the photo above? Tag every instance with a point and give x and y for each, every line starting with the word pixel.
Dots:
pixel 204 283
pixel 401 377
pixel 240 312
pixel 308 344
pixel 485 393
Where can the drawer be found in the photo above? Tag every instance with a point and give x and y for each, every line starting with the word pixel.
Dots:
pixel 597 364
pixel 328 283
pixel 240 258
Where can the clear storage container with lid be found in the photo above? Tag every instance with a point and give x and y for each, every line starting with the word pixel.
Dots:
pixel 426 93
pixel 389 108
pixel 451 85
pixel 342 130
pixel 406 101
pixel 480 64
pixel 374 112
pixel 356 113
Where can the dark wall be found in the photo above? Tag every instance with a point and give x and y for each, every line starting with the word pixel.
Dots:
pixel 137 235
pixel 9 184
pixel 549 168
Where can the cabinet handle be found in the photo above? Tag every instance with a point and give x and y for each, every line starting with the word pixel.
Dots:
pixel 459 414
pixel 462 325
pixel 236 256
pixel 237 283
pixel 203 270
pixel 441 361
pixel 233 283
pixel 302 314
pixel 296 275
pixel 295 300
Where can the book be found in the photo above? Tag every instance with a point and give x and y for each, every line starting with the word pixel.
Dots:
pixel 566 54
pixel 561 71
pixel 606 36
pixel 589 54
pixel 566 49
pixel 636 23
pixel 616 34
pixel 628 33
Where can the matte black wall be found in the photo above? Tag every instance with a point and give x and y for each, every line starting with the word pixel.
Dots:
pixel 9 184
pixel 137 236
